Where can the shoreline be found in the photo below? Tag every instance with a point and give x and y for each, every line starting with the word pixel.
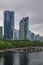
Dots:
pixel 23 49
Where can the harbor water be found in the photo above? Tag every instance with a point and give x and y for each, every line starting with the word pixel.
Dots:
pixel 11 58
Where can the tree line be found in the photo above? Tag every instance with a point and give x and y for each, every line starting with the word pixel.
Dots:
pixel 19 43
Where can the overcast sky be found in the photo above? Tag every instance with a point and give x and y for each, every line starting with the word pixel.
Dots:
pixel 31 8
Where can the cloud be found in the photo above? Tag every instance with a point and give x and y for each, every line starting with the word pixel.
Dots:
pixel 31 8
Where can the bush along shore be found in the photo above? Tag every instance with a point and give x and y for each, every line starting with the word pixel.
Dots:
pixel 18 44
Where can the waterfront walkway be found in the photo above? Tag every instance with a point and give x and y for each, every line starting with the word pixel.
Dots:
pixel 24 49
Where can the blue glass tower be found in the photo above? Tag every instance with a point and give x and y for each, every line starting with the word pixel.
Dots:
pixel 24 28
pixel 8 25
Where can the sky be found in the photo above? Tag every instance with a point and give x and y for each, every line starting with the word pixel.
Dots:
pixel 31 8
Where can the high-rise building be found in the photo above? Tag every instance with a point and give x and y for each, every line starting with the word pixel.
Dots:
pixel 32 36
pixel 29 35
pixel 1 36
pixel 8 25
pixel 24 28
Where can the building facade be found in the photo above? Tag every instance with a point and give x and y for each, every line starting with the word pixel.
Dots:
pixel 29 35
pixel 1 34
pixel 24 27
pixel 8 25
pixel 42 38
pixel 37 37
pixel 32 36
pixel 16 34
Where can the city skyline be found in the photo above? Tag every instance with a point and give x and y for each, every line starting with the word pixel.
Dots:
pixel 31 8
pixel 10 33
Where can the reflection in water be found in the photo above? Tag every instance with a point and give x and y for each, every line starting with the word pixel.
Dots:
pixel 16 59
pixel 36 58
pixel 8 58
pixel 23 59
pixel 1 60
pixel 11 58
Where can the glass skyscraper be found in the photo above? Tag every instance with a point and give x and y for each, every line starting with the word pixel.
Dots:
pixel 24 28
pixel 8 25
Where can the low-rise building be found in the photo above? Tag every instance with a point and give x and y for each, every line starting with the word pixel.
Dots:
pixel 16 34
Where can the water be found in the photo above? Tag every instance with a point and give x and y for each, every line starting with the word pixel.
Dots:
pixel 22 58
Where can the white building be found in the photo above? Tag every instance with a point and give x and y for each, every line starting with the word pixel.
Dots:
pixel 16 34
